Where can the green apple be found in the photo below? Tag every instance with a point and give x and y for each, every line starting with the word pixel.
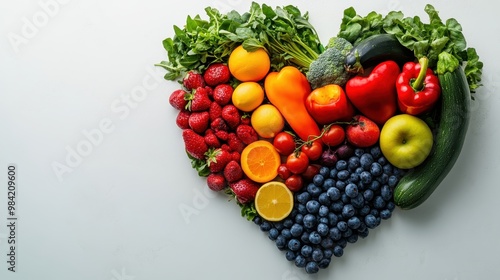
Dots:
pixel 405 141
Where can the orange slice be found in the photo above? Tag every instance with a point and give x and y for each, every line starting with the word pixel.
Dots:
pixel 260 161
pixel 274 201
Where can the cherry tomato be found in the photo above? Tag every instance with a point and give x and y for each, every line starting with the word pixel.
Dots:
pixel 297 162
pixel 311 170
pixel 313 150
pixel 334 136
pixel 284 143
pixel 283 171
pixel 294 182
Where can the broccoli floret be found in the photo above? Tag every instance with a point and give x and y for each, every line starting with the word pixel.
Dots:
pixel 329 67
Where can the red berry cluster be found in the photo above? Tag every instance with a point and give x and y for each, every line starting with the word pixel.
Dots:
pixel 214 131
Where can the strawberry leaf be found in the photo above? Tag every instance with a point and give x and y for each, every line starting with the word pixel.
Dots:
pixel 199 165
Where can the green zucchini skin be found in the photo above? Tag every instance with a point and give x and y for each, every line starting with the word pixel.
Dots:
pixel 418 184
pixel 375 49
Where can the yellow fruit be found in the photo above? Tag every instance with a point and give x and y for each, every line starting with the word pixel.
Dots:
pixel 267 121
pixel 274 201
pixel 249 66
pixel 247 96
pixel 260 161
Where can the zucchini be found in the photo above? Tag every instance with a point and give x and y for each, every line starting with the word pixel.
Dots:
pixel 375 49
pixel 419 183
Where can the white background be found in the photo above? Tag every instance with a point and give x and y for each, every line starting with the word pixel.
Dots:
pixel 115 215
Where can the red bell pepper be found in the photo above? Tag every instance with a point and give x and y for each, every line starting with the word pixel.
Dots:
pixel 418 88
pixel 375 95
pixel 328 104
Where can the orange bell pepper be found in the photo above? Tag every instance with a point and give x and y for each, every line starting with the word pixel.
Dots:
pixel 287 90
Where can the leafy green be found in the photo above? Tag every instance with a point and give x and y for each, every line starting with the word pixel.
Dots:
pixel 284 32
pixel 442 42
pixel 199 165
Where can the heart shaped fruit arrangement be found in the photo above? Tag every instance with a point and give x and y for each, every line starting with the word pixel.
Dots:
pixel 320 143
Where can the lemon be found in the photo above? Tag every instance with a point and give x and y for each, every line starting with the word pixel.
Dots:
pixel 247 96
pixel 274 201
pixel 267 121
pixel 248 66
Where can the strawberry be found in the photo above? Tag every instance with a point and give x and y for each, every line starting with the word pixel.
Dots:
pixel 236 156
pixel 244 190
pixel 216 73
pixel 198 121
pixel 235 143
pixel 215 111
pixel 219 124
pixel 233 172
pixel 222 94
pixel 192 80
pixel 231 115
pixel 217 159
pixel 226 147
pixel 211 140
pixel 245 119
pixel 216 181
pixel 222 135
pixel 177 99
pixel 246 133
pixel 182 119
pixel 199 99
pixel 194 144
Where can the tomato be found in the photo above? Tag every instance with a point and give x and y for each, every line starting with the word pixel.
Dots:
pixel 284 143
pixel 311 170
pixel 313 150
pixel 283 171
pixel 294 182
pixel 297 162
pixel 334 136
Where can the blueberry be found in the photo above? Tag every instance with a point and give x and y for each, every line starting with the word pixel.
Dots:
pixel 300 261
pixel 280 242
pixel 294 244
pixel 333 193
pixel 278 225
pixel 390 206
pixel 338 251
pixel 378 202
pixel 312 206
pixel 347 233
pixel 340 185
pixel 323 211
pixel 314 237
pixel 310 221
pixel 325 171
pixel 368 194
pixel 324 263
pixel 393 181
pixel 376 169
pixel 303 197
pixel 382 161
pixel 332 219
pixel 376 152
pixel 286 233
pixel 318 180
pixel 306 251
pixel 335 233
pixel 351 190
pixel 342 226
pixel 257 220
pixel 290 255
pixel 371 221
pixel 365 210
pixel 317 254
pixel 343 175
pixel 342 242
pixel 323 229
pixel 375 212
pixel 329 182
pixel 324 198
pixel 301 208
pixel 333 173
pixel 354 222
pixel 352 238
pixel 385 214
pixel 348 211
pixel 386 193
pixel 341 165
pixel 358 201
pixel 304 237
pixel 337 206
pixel 273 234
pixel 388 168
pixel 288 223
pixel 313 190
pixel 312 267
pixel 299 218
pixel 345 199
pixel 265 226
pixel 327 253
pixel 366 161
pixel 354 178
pixel 375 185
pixel 359 152
pixel 296 230
pixel 365 177
pixel 327 243
pixel 353 163
pixel 363 233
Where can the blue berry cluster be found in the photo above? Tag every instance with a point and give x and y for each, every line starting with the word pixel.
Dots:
pixel 341 204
